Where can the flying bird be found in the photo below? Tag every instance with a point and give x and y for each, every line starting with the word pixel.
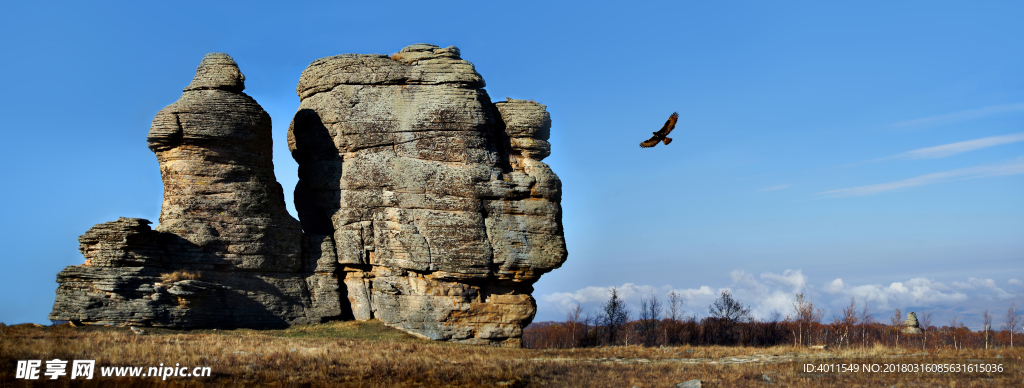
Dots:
pixel 661 134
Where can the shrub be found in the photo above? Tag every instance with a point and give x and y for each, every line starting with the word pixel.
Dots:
pixel 177 276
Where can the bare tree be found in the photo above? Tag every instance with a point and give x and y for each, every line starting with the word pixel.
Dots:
pixel 1012 321
pixel 953 326
pixel 728 309
pixel 805 314
pixel 925 319
pixel 725 312
pixel 986 321
pixel 576 322
pixel 895 320
pixel 848 320
pixel 675 306
pixel 615 316
pixel 866 319
pixel 591 337
pixel 675 315
pixel 650 315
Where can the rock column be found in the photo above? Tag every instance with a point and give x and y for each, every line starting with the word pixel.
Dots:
pixel 226 252
pixel 911 326
pixel 440 210
pixel 214 146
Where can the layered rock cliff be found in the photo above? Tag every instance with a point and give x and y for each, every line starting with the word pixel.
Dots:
pixel 422 204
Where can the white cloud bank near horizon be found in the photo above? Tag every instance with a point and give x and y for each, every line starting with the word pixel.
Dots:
pixel 771 292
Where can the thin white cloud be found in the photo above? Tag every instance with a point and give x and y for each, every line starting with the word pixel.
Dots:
pixel 963 286
pixel 694 293
pixel 942 151
pixel 744 278
pixel 990 284
pixel 1012 168
pixel 1016 282
pixel 951 149
pixel 776 294
pixel 773 188
pixel 962 115
pixel 915 291
pixel 794 279
pixel 836 286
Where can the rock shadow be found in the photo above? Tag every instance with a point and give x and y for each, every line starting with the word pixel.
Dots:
pixel 314 149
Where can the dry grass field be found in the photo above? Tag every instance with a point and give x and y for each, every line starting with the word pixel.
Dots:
pixel 368 354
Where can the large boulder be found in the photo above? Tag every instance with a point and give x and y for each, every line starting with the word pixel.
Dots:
pixel 440 209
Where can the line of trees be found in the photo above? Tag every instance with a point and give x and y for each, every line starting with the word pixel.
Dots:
pixel 729 322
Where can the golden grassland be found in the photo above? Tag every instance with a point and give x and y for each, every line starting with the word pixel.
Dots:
pixel 369 354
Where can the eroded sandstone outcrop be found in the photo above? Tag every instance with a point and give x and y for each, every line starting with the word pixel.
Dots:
pixel 911 325
pixel 223 218
pixel 440 209
pixel 422 204
pixel 214 147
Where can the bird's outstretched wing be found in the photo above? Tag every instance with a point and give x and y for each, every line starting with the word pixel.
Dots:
pixel 651 142
pixel 669 125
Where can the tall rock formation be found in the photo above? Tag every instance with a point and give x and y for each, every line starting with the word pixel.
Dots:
pixel 441 213
pixel 223 220
pixel 422 204
pixel 214 147
pixel 911 325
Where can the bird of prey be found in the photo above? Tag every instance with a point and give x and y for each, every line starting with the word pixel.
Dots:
pixel 661 134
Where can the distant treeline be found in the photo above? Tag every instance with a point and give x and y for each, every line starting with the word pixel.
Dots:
pixel 658 323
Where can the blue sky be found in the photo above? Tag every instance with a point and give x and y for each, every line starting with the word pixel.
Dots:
pixel 871 149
